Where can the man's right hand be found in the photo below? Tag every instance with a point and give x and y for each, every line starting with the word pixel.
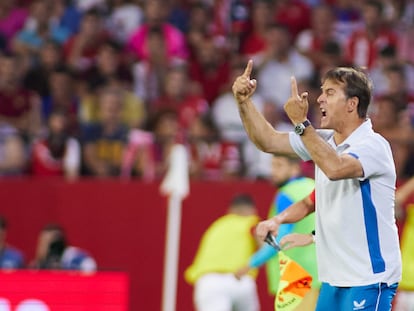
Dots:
pixel 243 87
pixel 271 225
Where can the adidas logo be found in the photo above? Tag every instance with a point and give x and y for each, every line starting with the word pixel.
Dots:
pixel 359 305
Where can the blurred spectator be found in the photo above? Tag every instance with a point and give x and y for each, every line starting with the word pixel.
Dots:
pixel 54 252
pixel 311 42
pixel 10 257
pixel 364 45
pixel 66 15
pixel 406 41
pixel 19 106
pixel 62 97
pixel 110 71
pixel 104 141
pixel 138 159
pixel 177 96
pixel 397 83
pixel 57 154
pixel 212 158
pixel 210 69
pixel 278 63
pixel 125 16
pixel 108 68
pixel 37 77
pixel 387 57
pixel 86 5
pixel 147 153
pixel 38 30
pixel 13 157
pixel 133 111
pixel 178 15
pixel 294 14
pixel 255 40
pixel 200 26
pixel 348 18
pixel 225 246
pixel 386 120
pixel 12 19
pixel 155 46
pixel 233 26
pixel 81 49
pixel 155 14
pixel 149 72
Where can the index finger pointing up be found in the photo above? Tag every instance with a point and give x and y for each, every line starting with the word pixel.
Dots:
pixel 294 87
pixel 248 69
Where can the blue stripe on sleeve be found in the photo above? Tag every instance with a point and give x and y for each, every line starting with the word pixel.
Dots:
pixel 354 155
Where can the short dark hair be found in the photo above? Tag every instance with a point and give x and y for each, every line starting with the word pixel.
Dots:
pixel 356 84
pixel 242 199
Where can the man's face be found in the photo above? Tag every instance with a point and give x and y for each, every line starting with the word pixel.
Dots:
pixel 332 104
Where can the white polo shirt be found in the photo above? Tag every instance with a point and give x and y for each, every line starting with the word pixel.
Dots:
pixel 356 235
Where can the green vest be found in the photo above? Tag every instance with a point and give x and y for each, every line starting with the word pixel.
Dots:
pixel 296 190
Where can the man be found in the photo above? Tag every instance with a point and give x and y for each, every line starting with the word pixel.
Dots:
pixel 54 252
pixel 10 257
pixel 226 245
pixel 286 174
pixel 357 245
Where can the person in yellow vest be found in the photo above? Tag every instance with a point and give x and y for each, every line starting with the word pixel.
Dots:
pixel 226 245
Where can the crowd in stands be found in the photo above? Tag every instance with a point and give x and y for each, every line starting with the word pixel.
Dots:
pixel 105 88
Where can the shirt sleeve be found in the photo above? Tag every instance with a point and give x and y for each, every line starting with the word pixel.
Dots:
pixel 375 156
pixel 299 147
pixel 312 196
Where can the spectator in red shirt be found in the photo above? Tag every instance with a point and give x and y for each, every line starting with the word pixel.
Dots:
pixel 210 69
pixel 177 96
pixel 311 42
pixel 147 152
pixel 81 49
pixel 294 14
pixel 57 154
pixel 210 157
pixel 255 40
pixel 364 44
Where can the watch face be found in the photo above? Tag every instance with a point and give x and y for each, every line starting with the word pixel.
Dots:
pixel 299 129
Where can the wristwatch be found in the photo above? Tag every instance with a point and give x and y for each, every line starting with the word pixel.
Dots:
pixel 300 127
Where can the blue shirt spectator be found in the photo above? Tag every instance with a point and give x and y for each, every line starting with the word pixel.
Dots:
pixel 10 257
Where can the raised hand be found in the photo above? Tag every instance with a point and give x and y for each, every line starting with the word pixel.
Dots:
pixel 243 87
pixel 296 106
